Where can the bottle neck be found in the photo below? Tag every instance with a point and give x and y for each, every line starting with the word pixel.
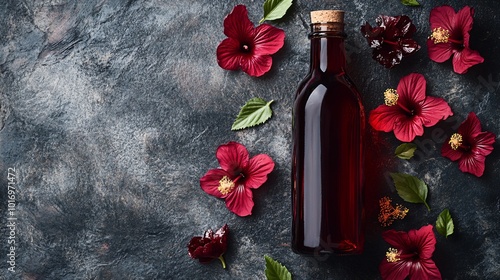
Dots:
pixel 327 47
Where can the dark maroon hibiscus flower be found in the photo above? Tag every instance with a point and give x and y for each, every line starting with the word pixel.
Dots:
pixel 407 110
pixel 469 146
pixel 450 36
pixel 210 246
pixel 236 178
pixel 247 47
pixel 410 255
pixel 392 40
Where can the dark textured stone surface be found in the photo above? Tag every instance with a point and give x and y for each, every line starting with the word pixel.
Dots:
pixel 112 111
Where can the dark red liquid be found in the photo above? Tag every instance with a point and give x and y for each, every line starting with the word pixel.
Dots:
pixel 327 167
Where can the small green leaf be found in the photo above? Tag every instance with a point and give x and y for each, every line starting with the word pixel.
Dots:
pixel 444 223
pixel 413 3
pixel 405 150
pixel 256 111
pixel 275 270
pixel 410 188
pixel 275 9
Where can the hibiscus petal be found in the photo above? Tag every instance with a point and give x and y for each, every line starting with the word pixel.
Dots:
pixel 228 54
pixel 396 27
pixel 434 109
pixel 394 270
pixel 388 55
pixel 209 233
pixel 383 117
pixel 470 128
pixel 257 170
pixel 373 35
pixel 408 128
pixel 404 27
pixel 237 23
pixel 425 269
pixel 472 163
pixel 209 252
pixel 411 89
pixel 268 39
pixel 240 201
pixel 465 59
pixel 439 52
pixel 196 242
pixel 447 151
pixel 222 233
pixel 210 182
pixel 196 248
pixel 368 31
pixel 464 19
pixel 484 143
pixel 442 16
pixel 397 239
pixel 233 157
pixel 409 46
pixel 424 240
pixel 466 38
pixel 256 66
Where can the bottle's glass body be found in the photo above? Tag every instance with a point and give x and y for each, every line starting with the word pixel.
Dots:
pixel 327 164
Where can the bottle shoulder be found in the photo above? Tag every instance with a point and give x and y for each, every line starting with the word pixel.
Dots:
pixel 331 82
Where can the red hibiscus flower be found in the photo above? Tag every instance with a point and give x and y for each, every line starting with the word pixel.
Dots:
pixel 469 146
pixel 407 109
pixel 210 246
pixel 247 47
pixel 450 36
pixel 410 255
pixel 391 40
pixel 236 178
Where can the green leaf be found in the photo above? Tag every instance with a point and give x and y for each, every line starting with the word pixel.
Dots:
pixel 444 223
pixel 413 3
pixel 410 188
pixel 256 111
pixel 405 150
pixel 275 9
pixel 275 270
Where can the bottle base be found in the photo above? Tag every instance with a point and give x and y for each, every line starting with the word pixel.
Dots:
pixel 345 247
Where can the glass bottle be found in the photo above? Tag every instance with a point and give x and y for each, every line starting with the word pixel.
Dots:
pixel 328 134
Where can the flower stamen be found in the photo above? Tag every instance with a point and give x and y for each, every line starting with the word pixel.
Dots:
pixel 390 97
pixel 392 255
pixel 400 211
pixel 226 185
pixel 245 48
pixel 440 35
pixel 455 141
pixel 388 213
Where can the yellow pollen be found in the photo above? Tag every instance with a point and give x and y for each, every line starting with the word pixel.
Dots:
pixel 226 185
pixel 400 211
pixel 455 141
pixel 392 255
pixel 440 35
pixel 390 97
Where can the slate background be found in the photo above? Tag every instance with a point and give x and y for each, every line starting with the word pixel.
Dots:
pixel 112 110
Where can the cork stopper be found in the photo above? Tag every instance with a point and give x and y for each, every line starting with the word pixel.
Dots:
pixel 324 16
